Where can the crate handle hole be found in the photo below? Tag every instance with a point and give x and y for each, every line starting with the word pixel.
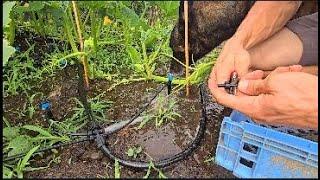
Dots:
pixel 246 162
pixel 250 148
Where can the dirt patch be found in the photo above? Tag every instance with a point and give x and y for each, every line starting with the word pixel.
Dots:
pixel 85 160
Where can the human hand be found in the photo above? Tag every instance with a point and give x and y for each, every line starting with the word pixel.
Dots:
pixel 232 58
pixel 286 97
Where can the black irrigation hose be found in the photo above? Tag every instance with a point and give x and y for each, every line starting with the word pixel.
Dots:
pixel 167 161
pixel 137 114
pixel 98 135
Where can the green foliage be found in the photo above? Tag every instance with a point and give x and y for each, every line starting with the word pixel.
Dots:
pixel 19 73
pixel 128 46
pixel 22 164
pixel 134 151
pixel 17 140
pixel 163 111
pixel 31 6
pixel 7 51
pixel 211 159
pixel 169 8
pixel 7 6
pixel 19 144
pixel 6 48
pixel 151 166
pixel 98 107
pixel 116 169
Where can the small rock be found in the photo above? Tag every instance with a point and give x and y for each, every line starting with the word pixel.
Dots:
pixel 96 155
pixel 195 156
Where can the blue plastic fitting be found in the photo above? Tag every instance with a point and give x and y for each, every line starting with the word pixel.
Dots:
pixel 46 105
pixel 170 77
pixel 63 63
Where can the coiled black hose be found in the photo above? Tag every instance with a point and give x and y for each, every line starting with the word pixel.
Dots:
pixel 167 161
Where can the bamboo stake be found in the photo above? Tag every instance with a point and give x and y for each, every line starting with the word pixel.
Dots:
pixel 186 43
pixel 83 58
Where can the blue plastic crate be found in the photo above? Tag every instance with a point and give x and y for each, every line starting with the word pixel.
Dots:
pixel 253 151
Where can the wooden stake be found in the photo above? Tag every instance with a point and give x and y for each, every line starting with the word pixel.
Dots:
pixel 83 58
pixel 186 43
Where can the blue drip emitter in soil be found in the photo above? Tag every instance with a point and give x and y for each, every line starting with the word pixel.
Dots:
pixel 17 49
pixel 63 63
pixel 169 83
pixel 46 107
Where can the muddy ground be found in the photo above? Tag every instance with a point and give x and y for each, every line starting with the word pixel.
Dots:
pixel 84 160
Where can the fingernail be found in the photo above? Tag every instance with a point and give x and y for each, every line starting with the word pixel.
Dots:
pixel 243 84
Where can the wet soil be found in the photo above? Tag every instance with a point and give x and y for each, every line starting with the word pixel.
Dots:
pixel 84 160
pixel 42 45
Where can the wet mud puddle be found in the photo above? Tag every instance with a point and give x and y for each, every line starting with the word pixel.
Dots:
pixel 172 137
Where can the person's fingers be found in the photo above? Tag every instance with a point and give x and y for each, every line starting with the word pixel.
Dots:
pixel 243 103
pixel 223 70
pixel 242 61
pixel 253 87
pixel 254 75
pixel 293 68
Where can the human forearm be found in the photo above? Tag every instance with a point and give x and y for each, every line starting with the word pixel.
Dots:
pixel 263 20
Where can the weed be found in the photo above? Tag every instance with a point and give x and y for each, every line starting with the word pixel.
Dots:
pixel 28 107
pixel 151 166
pixel 98 107
pixel 116 169
pixel 163 110
pixel 211 159
pixel 18 140
pixel 134 151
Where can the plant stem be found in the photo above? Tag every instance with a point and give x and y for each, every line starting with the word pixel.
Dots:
pixel 84 58
pixel 69 33
pixel 12 32
pixel 73 54
pixel 186 43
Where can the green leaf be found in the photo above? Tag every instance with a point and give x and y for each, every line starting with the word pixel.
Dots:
pixel 116 169
pixel 150 37
pixel 28 156
pixel 130 17
pixel 7 51
pixel 11 132
pixel 145 120
pixel 20 144
pixel 134 55
pixel 138 150
pixel 170 8
pixel 161 175
pixel 22 164
pixel 7 173
pixel 130 152
pixel 139 67
pixel 29 7
pixel 208 160
pixel 149 171
pixel 37 129
pixel 7 6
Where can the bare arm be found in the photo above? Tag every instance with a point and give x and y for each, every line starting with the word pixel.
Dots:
pixel 263 20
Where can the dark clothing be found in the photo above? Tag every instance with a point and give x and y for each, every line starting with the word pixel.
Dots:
pixel 306 27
